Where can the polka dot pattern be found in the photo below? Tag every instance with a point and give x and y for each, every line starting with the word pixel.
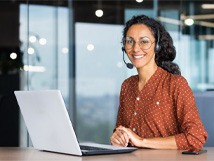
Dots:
pixel 164 107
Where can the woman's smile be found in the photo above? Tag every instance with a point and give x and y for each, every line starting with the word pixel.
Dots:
pixel 138 56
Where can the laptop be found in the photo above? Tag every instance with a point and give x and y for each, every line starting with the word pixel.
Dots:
pixel 50 128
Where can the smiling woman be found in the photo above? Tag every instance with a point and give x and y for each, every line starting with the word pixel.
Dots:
pixel 148 32
pixel 157 108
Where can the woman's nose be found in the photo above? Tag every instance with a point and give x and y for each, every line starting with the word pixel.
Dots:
pixel 136 46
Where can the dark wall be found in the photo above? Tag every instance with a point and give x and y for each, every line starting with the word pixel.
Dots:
pixel 9 110
pixel 9 80
pixel 9 24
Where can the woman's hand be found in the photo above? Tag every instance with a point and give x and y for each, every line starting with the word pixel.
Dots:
pixel 119 138
pixel 122 136
pixel 133 138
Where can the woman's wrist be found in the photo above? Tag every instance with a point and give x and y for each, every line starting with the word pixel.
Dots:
pixel 143 143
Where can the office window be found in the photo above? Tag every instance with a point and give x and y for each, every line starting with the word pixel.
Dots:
pixel 99 74
pixel 44 42
pixel 45 45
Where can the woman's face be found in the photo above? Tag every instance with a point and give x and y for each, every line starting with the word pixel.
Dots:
pixel 140 46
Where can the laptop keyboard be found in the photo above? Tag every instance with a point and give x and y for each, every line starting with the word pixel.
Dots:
pixel 83 147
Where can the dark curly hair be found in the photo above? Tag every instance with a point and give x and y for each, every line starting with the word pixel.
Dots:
pixel 166 52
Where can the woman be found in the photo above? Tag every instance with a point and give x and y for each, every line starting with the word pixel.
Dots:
pixel 157 107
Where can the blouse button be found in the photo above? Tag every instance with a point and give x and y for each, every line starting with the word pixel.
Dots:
pixel 135 113
pixel 138 98
pixel 134 129
pixel 157 103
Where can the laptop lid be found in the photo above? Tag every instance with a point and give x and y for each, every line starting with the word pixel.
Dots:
pixel 47 121
pixel 49 125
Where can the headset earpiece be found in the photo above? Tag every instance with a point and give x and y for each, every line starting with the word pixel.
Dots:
pixel 123 49
pixel 157 47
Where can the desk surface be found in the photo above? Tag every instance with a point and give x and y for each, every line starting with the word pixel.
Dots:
pixel 30 154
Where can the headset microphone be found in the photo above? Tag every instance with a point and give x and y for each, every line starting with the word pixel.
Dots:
pixel 128 65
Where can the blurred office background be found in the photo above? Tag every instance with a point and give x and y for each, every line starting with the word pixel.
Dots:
pixel 75 46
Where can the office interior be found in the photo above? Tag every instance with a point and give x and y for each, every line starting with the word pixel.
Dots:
pixel 75 46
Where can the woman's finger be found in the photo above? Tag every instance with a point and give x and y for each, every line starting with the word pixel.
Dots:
pixel 124 137
pixel 116 139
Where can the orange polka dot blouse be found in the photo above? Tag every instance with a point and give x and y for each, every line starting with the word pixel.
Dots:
pixel 164 107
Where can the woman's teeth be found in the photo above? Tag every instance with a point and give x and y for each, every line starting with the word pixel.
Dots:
pixel 138 56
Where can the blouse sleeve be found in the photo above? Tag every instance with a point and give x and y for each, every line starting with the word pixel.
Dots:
pixel 193 134
pixel 120 120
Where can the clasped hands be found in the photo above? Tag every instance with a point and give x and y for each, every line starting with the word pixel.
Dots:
pixel 122 136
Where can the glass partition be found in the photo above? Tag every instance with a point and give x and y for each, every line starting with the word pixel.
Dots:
pixel 100 71
pixel 44 37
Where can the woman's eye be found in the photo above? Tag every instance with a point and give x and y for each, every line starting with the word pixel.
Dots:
pixel 129 41
pixel 144 41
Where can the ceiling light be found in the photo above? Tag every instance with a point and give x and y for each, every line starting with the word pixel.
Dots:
pixel 189 22
pixel 31 50
pixel 207 6
pixel 34 68
pixel 42 41
pixel 13 56
pixel 90 47
pixel 65 50
pixel 32 39
pixel 99 13
pixel 139 1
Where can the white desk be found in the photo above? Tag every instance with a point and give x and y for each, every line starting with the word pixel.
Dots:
pixel 30 154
